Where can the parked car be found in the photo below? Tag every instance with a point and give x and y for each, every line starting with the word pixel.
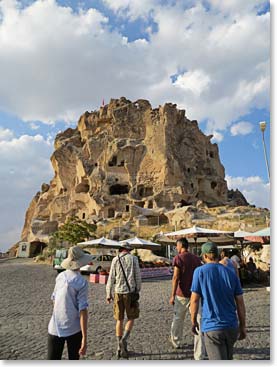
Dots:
pixel 99 263
pixel 60 255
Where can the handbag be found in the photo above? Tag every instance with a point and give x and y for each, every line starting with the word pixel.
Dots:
pixel 133 295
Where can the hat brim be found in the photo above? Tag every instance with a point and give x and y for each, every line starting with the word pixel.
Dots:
pixel 126 247
pixel 210 252
pixel 70 264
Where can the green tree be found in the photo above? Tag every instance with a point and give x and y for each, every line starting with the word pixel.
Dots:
pixel 74 230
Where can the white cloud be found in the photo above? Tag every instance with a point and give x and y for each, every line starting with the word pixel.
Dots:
pixel 132 8
pixel 217 137
pixel 255 190
pixel 24 166
pixel 56 72
pixel 238 6
pixel 33 126
pixel 241 128
pixel 5 134
pixel 195 81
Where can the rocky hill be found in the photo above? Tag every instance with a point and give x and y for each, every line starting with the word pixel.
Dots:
pixel 131 161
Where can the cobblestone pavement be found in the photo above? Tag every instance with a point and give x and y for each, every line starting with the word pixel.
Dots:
pixel 26 308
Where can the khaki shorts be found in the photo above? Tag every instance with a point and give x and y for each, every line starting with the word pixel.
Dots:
pixel 122 302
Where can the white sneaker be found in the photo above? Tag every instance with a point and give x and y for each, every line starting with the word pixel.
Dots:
pixel 173 343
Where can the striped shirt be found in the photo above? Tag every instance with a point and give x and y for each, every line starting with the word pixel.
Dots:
pixel 132 271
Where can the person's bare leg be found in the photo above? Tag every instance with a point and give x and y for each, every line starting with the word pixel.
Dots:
pixel 129 325
pixel 118 333
pixel 119 328
pixel 123 343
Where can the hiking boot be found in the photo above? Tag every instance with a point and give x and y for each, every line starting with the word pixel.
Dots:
pixel 123 348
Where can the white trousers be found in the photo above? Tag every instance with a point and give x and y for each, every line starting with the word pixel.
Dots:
pixel 181 306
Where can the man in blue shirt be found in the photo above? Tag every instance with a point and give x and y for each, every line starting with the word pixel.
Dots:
pixel 222 305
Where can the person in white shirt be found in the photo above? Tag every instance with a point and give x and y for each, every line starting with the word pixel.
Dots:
pixel 238 262
pixel 70 315
pixel 126 278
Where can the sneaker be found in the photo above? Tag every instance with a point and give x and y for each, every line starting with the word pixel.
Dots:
pixel 118 353
pixel 123 348
pixel 172 342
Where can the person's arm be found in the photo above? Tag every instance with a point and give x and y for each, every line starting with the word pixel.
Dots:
pixel 242 316
pixel 194 306
pixel 236 267
pixel 110 282
pixel 137 274
pixel 175 280
pixel 84 327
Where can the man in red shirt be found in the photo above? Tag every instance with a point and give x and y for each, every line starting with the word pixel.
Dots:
pixel 184 265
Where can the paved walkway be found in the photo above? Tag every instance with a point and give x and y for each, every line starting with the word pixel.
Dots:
pixel 26 308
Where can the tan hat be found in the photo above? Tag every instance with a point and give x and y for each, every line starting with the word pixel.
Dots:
pixel 76 259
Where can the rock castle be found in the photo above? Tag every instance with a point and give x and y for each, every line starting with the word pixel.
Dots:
pixel 125 160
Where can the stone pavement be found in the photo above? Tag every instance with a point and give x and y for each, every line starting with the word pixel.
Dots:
pixel 26 308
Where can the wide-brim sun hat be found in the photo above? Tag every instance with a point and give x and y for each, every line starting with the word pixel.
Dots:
pixel 76 259
pixel 126 245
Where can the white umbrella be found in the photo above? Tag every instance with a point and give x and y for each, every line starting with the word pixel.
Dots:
pixel 105 242
pixel 242 234
pixel 196 232
pixel 265 232
pixel 136 242
pixel 261 236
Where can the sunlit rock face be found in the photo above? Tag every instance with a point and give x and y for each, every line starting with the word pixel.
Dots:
pixel 123 156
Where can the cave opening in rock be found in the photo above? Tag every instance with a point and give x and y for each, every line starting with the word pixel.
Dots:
pixel 111 212
pixel 127 208
pixel 213 185
pixel 113 161
pixel 145 191
pixel 183 203
pixel 118 189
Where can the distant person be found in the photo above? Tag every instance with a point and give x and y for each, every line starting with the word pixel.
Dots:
pixel 251 269
pixel 222 305
pixel 236 258
pixel 125 276
pixel 225 260
pixel 69 319
pixel 184 265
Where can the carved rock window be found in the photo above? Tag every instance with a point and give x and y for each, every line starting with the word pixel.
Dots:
pixel 118 189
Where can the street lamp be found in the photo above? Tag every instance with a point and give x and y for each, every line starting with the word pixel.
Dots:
pixel 263 127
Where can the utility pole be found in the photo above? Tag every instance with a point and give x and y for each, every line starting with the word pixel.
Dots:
pixel 263 127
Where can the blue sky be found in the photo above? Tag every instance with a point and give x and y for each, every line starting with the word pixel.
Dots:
pixel 61 58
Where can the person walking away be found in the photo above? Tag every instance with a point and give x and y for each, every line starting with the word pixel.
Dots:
pixel 70 315
pixel 184 265
pixel 236 259
pixel 225 260
pixel 125 277
pixel 222 305
pixel 252 271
